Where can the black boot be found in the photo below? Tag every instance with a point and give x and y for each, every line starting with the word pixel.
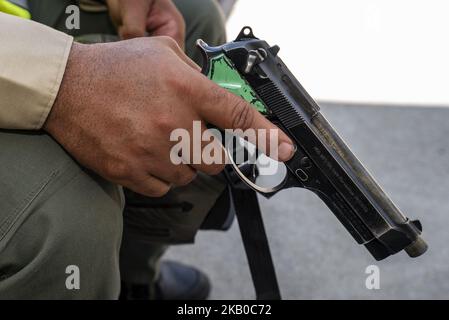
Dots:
pixel 176 282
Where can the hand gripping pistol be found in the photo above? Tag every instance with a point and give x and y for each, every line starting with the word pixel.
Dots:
pixel 322 163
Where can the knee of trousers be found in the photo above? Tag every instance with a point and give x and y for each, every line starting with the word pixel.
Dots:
pixel 204 20
pixel 60 225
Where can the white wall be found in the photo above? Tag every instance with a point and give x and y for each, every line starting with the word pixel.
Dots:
pixel 394 51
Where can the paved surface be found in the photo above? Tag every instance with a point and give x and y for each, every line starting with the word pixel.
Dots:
pixel 407 150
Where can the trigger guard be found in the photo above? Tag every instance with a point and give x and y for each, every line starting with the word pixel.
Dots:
pixel 267 192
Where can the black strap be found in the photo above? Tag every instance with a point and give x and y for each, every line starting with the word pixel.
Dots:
pixel 256 245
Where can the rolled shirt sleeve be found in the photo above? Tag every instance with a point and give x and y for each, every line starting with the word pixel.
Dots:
pixel 33 58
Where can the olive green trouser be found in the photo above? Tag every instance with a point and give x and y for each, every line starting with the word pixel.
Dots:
pixel 58 220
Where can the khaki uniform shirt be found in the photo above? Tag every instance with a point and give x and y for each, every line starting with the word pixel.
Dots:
pixel 33 58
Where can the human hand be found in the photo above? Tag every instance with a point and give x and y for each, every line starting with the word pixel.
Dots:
pixel 119 102
pixel 136 18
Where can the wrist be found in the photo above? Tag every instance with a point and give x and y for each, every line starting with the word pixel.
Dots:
pixel 61 106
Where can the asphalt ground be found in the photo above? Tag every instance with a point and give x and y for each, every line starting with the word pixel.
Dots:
pixel 407 151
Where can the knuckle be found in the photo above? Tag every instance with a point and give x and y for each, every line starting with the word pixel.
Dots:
pixel 242 116
pixel 168 41
pixel 158 191
pixel 116 170
pixel 218 94
pixel 180 87
pixel 164 123
pixel 184 178
pixel 215 169
pixel 130 32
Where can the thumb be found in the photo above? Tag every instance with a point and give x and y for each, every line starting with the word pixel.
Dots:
pixel 133 15
pixel 228 111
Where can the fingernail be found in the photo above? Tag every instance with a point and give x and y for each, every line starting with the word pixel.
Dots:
pixel 286 151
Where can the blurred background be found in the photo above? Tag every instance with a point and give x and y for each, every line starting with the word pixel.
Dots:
pixel 380 51
pixel 380 72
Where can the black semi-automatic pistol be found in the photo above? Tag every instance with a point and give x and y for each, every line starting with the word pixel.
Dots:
pixel 322 163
